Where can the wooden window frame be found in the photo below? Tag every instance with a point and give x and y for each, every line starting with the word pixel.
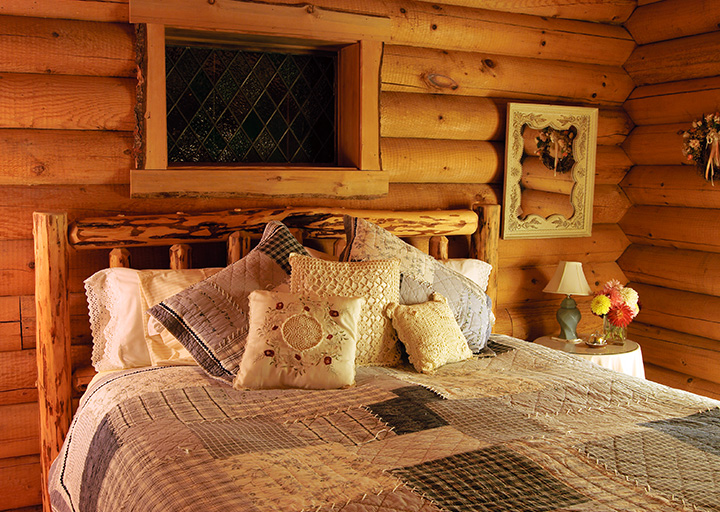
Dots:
pixel 358 40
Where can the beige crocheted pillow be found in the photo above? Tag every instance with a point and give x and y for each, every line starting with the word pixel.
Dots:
pixel 430 333
pixel 378 282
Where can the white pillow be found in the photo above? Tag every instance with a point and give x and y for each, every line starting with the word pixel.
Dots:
pixel 117 318
pixel 299 341
pixel 477 271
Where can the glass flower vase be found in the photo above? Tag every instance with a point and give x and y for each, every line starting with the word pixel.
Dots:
pixel 613 333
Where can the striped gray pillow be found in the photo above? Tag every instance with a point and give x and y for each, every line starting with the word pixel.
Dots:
pixel 210 318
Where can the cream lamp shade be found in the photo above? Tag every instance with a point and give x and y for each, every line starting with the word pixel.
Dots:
pixel 569 279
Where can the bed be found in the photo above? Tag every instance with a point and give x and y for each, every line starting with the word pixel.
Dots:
pixel 512 427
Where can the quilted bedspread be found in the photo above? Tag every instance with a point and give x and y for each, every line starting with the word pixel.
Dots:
pixel 528 430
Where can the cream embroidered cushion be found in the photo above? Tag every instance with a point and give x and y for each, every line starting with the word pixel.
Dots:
pixel 378 282
pixel 296 341
pixel 430 333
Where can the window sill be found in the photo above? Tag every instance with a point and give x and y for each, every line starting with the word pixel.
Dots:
pixel 347 183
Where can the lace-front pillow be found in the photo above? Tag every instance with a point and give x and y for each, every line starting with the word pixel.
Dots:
pixel 296 341
pixel 377 282
pixel 430 333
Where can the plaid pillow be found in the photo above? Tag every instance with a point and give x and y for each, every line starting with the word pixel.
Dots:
pixel 210 319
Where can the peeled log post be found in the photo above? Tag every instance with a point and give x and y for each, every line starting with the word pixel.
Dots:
pixel 180 256
pixel 238 245
pixel 53 337
pixel 419 242
pixel 406 69
pixel 441 161
pixel 120 257
pixel 484 244
pixel 439 247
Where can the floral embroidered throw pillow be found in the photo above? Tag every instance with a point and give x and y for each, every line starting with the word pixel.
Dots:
pixel 299 341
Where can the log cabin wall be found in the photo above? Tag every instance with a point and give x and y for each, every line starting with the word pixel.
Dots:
pixel 674 256
pixel 67 76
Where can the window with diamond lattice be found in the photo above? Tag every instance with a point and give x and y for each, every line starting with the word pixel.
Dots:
pixel 237 106
pixel 301 119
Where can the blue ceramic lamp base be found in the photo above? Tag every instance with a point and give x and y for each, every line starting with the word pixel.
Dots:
pixel 568 316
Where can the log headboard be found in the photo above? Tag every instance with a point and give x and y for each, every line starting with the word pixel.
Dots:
pixel 56 236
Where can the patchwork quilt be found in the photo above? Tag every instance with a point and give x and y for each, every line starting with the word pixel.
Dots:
pixel 528 430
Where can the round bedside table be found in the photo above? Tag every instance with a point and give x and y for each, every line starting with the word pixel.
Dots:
pixel 626 358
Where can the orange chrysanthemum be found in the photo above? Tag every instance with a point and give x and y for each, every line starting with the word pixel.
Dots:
pixel 621 315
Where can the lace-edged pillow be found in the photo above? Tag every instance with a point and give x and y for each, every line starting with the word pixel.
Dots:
pixel 378 282
pixel 117 305
pixel 296 341
pixel 430 333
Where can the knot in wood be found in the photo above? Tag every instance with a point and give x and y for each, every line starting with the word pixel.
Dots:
pixel 441 81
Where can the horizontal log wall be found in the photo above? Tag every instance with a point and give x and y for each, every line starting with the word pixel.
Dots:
pixel 674 255
pixel 67 97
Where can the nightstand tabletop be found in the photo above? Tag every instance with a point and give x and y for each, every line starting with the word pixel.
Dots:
pixel 625 358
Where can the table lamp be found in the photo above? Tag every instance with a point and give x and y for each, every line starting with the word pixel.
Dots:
pixel 569 279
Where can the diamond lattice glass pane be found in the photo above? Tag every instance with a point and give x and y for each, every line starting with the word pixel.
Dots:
pixel 238 106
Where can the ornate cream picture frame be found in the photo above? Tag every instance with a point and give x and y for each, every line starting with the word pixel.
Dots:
pixel 549 171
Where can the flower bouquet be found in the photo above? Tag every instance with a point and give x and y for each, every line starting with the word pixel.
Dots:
pixel 618 306
pixel 701 145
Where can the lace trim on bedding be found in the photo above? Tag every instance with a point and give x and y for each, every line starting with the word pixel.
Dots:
pixel 99 316
pixel 115 297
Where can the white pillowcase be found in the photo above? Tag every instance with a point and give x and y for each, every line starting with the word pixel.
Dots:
pixel 477 271
pixel 118 321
